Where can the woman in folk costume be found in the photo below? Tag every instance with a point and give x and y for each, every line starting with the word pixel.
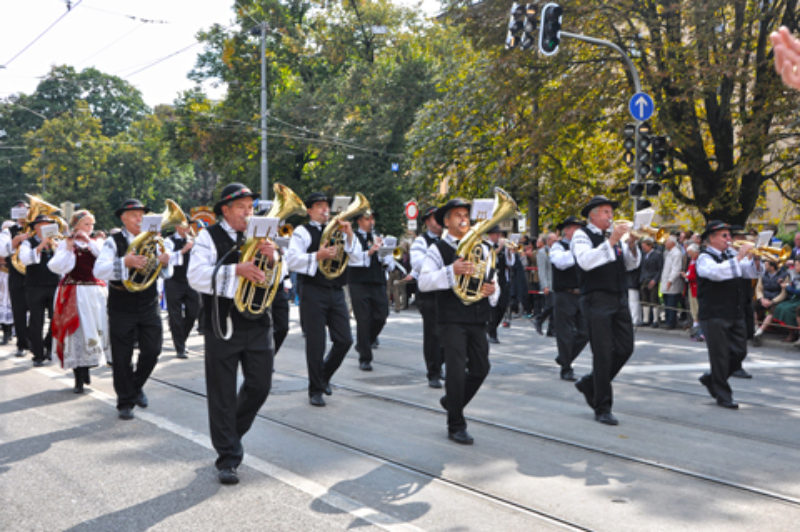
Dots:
pixel 80 322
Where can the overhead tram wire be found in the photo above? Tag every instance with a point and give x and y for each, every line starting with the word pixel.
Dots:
pixel 56 21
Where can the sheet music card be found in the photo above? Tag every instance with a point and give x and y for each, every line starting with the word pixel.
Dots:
pixel 340 203
pixel 482 209
pixel 152 223
pixel 764 238
pixel 19 212
pixel 643 218
pixel 515 237
pixel 49 230
pixel 262 227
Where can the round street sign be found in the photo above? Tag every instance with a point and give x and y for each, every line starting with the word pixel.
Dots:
pixel 641 106
pixel 412 210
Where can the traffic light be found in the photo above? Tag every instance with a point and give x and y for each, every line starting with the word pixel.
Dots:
pixel 522 26
pixel 636 189
pixel 629 144
pixel 659 157
pixel 643 158
pixel 550 30
pixel 652 188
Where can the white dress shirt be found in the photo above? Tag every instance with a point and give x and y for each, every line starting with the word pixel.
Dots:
pixel 301 261
pixel 729 269
pixel 418 251
pixel 589 257
pixel 175 255
pixel 64 259
pixel 109 267
pixel 436 276
pixel 561 257
pixel 362 259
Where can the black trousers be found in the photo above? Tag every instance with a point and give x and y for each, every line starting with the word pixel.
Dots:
pixel 19 309
pixel 726 341
pixel 370 308
pixel 571 333
pixel 321 307
pixel 497 312
pixel 749 330
pixel 126 327
pixel 231 413
pixel 610 328
pixel 280 317
pixel 183 305
pixel 431 349
pixel 466 354
pixel 547 311
pixel 40 299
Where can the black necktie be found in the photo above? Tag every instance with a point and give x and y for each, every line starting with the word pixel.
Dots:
pixel 369 239
pixel 239 238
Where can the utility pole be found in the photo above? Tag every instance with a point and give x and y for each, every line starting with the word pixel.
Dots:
pixel 264 168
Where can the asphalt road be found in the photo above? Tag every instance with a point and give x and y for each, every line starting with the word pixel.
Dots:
pixel 377 457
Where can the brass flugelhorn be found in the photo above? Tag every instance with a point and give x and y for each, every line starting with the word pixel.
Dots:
pixel 332 235
pixel 37 207
pixel 658 234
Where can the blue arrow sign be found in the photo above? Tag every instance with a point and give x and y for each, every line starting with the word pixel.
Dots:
pixel 395 167
pixel 641 106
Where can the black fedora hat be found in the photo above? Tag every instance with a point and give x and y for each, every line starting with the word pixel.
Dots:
pixel 130 205
pixel 713 226
pixel 315 197
pixel 366 214
pixel 42 219
pixel 441 212
pixel 596 202
pixel 20 203
pixel 494 229
pixel 232 192
pixel 427 213
pixel 570 220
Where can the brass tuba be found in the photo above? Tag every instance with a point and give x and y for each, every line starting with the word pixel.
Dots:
pixel 37 206
pixel 151 245
pixel 468 287
pixel 255 298
pixel 332 235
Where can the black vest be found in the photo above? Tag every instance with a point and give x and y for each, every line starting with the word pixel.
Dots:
pixel 500 265
pixel 118 296
pixel 223 243
pixel 449 308
pixel 39 274
pixel 565 279
pixel 429 241
pixel 609 277
pixel 179 272
pixel 318 279
pixel 719 299
pixel 372 274
pixel 13 274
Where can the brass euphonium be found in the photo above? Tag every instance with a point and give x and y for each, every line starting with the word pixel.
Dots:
pixel 255 298
pixel 332 236
pixel 151 245
pixel 37 206
pixel 468 287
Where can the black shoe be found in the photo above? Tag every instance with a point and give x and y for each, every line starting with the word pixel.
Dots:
pixel 606 418
pixel 125 413
pixel 580 385
pixel 327 389
pixel 4 341
pixel 316 400
pixel 38 363
pixel 141 400
pixel 568 374
pixel 550 333
pixel 757 340
pixel 365 366
pixel 727 404
pixel 741 373
pixel 670 326
pixel 20 353
pixel 78 387
pixel 705 380
pixel 537 323
pixel 434 383
pixel 181 354
pixel 493 340
pixel 461 436
pixel 654 325
pixel 443 401
pixel 228 475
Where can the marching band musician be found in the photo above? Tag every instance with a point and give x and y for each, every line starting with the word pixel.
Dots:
pixel 182 302
pixel 279 310
pixel 80 323
pixel 720 270
pixel 230 414
pixel 505 260
pixel 604 300
pixel 367 283
pixel 132 316
pixel 40 287
pixel 10 239
pixel 571 335
pixel 426 301
pixel 466 351
pixel 321 299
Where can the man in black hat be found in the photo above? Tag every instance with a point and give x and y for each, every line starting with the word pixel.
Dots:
pixel 466 350
pixel 215 270
pixel 367 282
pixel 10 240
pixel 426 301
pixel 321 300
pixel 738 233
pixel 505 260
pixel 132 316
pixel 571 334
pixel 603 262
pixel 183 303
pixel 720 270
pixel 40 287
